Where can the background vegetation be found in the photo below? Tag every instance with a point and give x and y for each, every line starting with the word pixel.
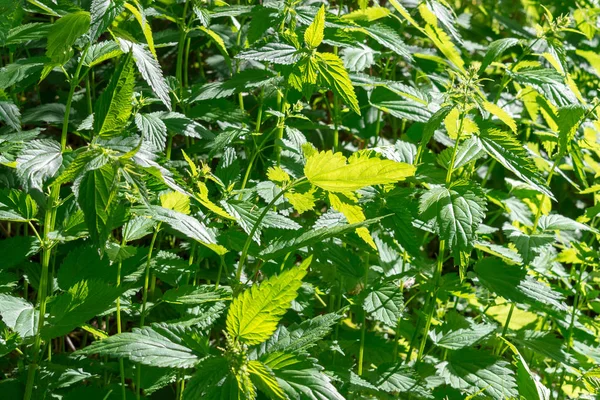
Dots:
pixel 299 200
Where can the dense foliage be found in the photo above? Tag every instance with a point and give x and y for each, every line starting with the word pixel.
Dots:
pixel 291 199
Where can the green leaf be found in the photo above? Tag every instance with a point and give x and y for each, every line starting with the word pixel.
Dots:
pixel 501 114
pixel 26 70
pixel 513 283
pixel 330 171
pixel 388 37
pixel 529 246
pixel 301 379
pixel 82 302
pixel 276 53
pixel 158 345
pixel 456 339
pixel 509 152
pixel 529 384
pixel 153 129
pixel 284 245
pixel 84 263
pixel 212 381
pixel 96 196
pixel 557 222
pixel 39 160
pixel 247 214
pixel 385 304
pixel 113 108
pixel 456 211
pixel 399 106
pixel 195 295
pixel 103 13
pixel 357 59
pixel 473 370
pixel 335 77
pixel 10 114
pixel 264 380
pixel 253 316
pixel 495 50
pixel 100 52
pixel 569 119
pixel 431 126
pixel 548 82
pixel 149 69
pixel 313 36
pixel 297 338
pixel 188 226
pixel 398 378
pixel 15 311
pixel 63 34
pixel 17 206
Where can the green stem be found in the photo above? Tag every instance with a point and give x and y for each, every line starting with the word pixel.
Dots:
pixel 49 220
pixel 433 298
pixel 363 330
pixel 280 125
pixel 144 302
pixel 505 329
pixel 186 62
pixel 119 328
pixel 180 49
pixel 572 323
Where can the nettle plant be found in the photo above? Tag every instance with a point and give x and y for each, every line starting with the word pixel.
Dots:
pixel 299 200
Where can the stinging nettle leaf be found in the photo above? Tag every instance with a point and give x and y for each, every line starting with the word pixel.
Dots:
pixel 39 161
pixel 507 150
pixel 114 106
pixel 313 36
pixel 276 53
pixel 253 315
pixel 158 345
pixel 331 171
pixel 456 211
pixel 149 69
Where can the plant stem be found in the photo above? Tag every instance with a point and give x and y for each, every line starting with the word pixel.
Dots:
pixel 572 323
pixel 49 220
pixel 119 328
pixel 138 378
pixel 433 298
pixel 280 124
pixel 363 329
pixel 498 350
pixel 180 50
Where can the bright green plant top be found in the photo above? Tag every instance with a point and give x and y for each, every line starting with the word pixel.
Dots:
pixel 286 199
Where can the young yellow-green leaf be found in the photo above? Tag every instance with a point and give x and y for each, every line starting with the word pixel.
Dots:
pixel 313 36
pixel 138 13
pixel 452 122
pixel 335 76
pixel 353 214
pixel 331 172
pixel 218 40
pixel 501 114
pixel 264 380
pixel 202 197
pixel 277 174
pixel 254 315
pixel 301 202
pixel 176 201
pixel 367 14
